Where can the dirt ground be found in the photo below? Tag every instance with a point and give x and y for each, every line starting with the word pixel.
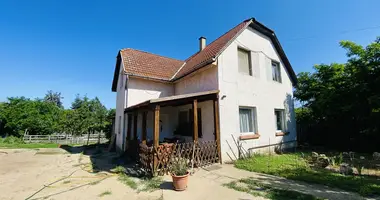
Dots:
pixel 69 174
pixel 58 174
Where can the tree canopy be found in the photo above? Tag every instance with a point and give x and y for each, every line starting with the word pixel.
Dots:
pixel 341 102
pixel 48 116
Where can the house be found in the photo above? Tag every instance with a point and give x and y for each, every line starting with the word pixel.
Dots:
pixel 235 94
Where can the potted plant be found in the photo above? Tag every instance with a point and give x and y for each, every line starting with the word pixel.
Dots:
pixel 180 173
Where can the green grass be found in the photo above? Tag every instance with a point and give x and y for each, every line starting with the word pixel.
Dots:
pixel 146 184
pixel 105 193
pixel 128 181
pixel 151 184
pixel 28 146
pixel 295 166
pixel 252 187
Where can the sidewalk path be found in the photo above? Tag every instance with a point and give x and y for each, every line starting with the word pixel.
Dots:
pixel 219 174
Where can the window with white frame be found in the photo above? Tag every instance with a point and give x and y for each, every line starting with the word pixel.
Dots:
pixel 244 61
pixel 276 72
pixel 247 119
pixel 279 120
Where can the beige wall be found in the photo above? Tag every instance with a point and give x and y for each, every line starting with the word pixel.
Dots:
pixel 205 80
pixel 140 90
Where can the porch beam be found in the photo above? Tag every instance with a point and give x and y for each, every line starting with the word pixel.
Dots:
pixel 143 128
pixel 135 115
pixel 195 120
pixel 217 128
pixel 156 126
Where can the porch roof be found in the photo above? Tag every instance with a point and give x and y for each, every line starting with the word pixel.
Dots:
pixel 175 100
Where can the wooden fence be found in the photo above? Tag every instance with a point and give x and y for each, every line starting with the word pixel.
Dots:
pixel 66 139
pixel 158 161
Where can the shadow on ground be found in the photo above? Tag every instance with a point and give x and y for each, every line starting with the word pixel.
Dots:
pixel 104 160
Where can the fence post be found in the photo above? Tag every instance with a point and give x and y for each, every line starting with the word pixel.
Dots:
pixel 49 138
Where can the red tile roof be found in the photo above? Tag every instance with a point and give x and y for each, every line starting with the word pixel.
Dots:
pixel 152 66
pixel 144 64
pixel 212 50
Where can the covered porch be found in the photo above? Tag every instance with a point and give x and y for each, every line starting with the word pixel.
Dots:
pixel 184 126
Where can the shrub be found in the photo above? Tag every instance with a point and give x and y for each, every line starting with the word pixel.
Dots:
pixel 11 140
pixel 179 166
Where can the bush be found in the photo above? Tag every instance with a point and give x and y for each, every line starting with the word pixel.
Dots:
pixel 11 140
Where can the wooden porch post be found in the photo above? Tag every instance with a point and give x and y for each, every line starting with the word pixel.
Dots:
pixel 195 120
pixel 143 128
pixel 216 127
pixel 135 125
pixel 156 135
pixel 129 129
pixel 156 126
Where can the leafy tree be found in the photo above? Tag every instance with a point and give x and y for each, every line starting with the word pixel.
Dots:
pixel 341 102
pixel 37 116
pixel 54 97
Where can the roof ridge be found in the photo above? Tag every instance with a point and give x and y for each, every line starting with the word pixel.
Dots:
pixel 151 53
pixel 245 21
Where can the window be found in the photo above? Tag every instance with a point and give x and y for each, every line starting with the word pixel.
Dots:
pixel 280 120
pixel 244 62
pixel 247 120
pixel 276 72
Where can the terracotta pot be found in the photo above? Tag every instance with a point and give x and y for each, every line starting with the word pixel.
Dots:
pixel 180 182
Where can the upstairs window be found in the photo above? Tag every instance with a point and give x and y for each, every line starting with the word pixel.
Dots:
pixel 244 62
pixel 276 72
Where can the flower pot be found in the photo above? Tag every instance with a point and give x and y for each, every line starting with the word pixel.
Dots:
pixel 180 182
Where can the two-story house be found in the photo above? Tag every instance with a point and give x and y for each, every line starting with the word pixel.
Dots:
pixel 235 91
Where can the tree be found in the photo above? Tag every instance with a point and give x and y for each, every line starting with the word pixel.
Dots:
pixel 54 97
pixel 342 101
pixel 39 117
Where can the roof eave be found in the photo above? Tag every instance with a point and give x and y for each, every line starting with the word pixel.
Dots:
pixel 116 73
pixel 270 33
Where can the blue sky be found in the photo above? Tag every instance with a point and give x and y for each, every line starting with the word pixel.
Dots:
pixel 70 46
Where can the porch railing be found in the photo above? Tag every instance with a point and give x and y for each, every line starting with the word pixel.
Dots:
pixel 158 161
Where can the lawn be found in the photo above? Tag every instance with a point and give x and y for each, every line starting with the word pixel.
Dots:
pixel 252 187
pixel 295 166
pixel 28 146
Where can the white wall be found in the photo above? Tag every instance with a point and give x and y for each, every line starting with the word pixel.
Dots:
pixel 140 90
pixel 200 81
pixel 120 105
pixel 258 91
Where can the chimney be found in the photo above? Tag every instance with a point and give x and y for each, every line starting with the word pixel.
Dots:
pixel 202 43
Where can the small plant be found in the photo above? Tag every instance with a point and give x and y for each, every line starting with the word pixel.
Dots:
pixel 336 160
pixel 118 170
pixel 105 193
pixel 179 166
